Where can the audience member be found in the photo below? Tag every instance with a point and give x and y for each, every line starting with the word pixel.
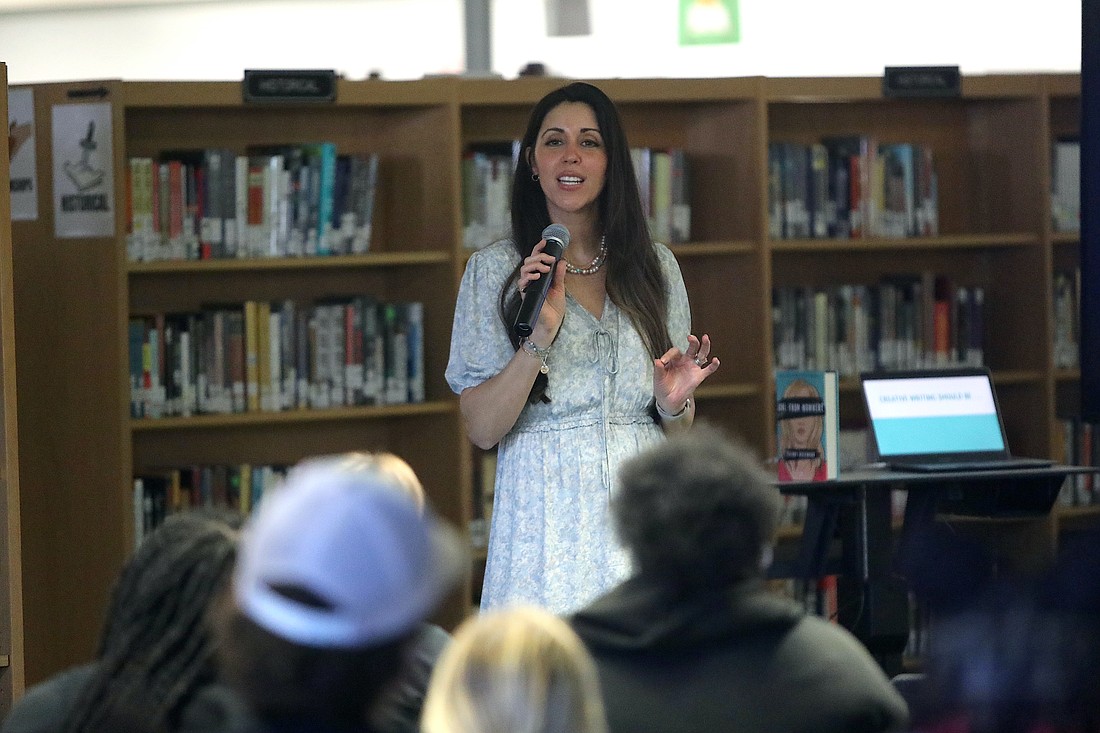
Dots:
pixel 398 710
pixel 156 653
pixel 1021 657
pixel 517 670
pixel 694 641
pixel 338 569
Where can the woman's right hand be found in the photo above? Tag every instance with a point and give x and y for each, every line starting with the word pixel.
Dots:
pixel 535 267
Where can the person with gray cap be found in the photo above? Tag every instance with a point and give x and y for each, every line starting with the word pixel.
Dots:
pixel 337 570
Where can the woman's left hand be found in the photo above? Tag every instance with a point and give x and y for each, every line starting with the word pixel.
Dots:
pixel 677 373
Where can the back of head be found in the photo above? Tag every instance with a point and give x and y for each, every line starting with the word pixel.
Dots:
pixel 697 509
pixel 157 649
pixel 519 670
pixel 338 567
pixel 388 465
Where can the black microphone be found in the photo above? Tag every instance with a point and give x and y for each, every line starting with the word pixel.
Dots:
pixel 557 239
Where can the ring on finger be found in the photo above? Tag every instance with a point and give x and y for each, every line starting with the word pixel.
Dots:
pixel 700 361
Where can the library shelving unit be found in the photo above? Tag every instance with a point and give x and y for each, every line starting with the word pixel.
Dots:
pixel 1063 100
pixel 11 589
pixel 79 447
pixel 992 150
pixel 76 295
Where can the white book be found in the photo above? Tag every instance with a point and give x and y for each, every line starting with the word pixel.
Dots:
pixel 139 511
pixel 237 236
pixel 272 392
pixel 187 404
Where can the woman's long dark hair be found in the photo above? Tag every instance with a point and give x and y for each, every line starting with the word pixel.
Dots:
pixel 156 649
pixel 635 282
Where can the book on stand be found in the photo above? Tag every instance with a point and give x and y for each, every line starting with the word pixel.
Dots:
pixel 807 416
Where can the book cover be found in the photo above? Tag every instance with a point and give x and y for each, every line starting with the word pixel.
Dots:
pixel 807 417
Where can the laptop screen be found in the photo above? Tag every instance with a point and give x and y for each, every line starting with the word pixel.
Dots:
pixel 933 413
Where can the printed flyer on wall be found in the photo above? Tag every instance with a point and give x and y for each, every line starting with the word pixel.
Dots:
pixel 23 166
pixel 83 175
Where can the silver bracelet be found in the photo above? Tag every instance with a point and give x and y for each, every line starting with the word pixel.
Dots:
pixel 669 416
pixel 530 347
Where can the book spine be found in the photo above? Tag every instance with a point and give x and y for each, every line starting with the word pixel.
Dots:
pixel 414 318
pixel 251 355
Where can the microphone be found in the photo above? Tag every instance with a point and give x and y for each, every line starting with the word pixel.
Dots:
pixel 557 239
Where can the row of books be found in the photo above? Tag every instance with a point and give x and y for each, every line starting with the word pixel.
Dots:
pixel 271 201
pixel 903 322
pixel 1067 318
pixel 850 187
pixel 285 355
pixel 1080 446
pixel 160 493
pixel 1065 185
pixel 487 193
pixel 663 184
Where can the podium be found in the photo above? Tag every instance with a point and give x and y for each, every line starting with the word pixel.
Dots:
pixel 855 510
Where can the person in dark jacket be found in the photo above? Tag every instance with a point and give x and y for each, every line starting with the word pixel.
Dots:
pixel 694 641
pixel 156 655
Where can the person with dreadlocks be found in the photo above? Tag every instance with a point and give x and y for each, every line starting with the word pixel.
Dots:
pixel 156 653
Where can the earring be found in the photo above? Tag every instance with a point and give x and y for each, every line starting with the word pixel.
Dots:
pixel 535 177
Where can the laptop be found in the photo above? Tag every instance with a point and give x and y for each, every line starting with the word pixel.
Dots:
pixel 938 421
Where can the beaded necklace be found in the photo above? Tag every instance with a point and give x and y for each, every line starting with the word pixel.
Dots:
pixel 594 266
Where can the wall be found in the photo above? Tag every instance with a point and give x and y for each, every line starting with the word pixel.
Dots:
pixel 409 38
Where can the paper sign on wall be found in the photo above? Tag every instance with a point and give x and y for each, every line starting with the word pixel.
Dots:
pixel 21 144
pixel 83 176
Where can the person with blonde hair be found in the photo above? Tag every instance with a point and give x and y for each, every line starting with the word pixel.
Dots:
pixel 517 670
pixel 391 465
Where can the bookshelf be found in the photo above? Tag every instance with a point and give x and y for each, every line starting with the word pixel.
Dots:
pixel 11 588
pixel 81 293
pixel 79 448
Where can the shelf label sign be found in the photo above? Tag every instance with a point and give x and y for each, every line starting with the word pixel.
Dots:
pixel 83 171
pixel 294 85
pixel 23 163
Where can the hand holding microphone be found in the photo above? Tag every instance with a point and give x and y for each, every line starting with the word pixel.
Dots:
pixel 557 239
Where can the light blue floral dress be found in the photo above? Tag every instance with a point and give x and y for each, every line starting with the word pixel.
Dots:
pixel 551 541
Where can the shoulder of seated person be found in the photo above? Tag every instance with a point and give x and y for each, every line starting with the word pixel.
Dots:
pixel 216 708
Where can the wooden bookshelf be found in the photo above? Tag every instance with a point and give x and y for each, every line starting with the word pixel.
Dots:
pixel 11 586
pixel 79 447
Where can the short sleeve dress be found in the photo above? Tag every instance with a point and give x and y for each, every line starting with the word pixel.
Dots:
pixel 551 541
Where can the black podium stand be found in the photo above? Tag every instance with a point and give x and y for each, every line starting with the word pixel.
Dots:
pixel 856 510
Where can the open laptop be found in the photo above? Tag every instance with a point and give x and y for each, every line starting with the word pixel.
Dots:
pixel 938 420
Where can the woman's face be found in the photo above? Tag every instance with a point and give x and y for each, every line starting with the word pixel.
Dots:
pixel 570 160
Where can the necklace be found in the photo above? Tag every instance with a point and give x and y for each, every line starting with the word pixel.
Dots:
pixel 594 266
